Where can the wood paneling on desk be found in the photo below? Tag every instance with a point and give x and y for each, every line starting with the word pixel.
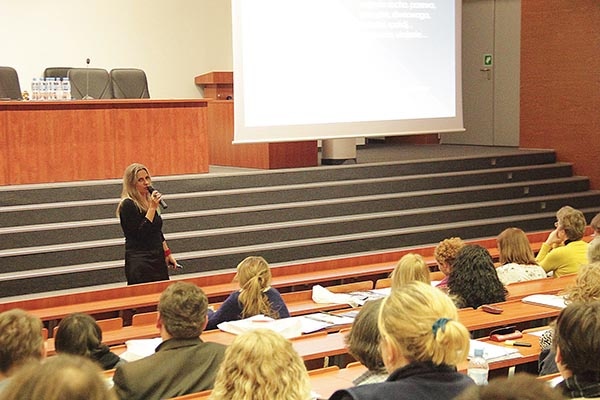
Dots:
pixel 96 139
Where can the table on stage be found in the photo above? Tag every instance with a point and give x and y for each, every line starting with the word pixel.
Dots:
pixel 59 141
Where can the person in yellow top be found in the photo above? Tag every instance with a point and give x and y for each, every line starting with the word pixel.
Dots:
pixel 564 251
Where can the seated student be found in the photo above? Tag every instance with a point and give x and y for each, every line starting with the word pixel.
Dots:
pixel 363 344
pixel 518 387
pixel 586 289
pixel 473 280
pixel 21 342
pixel 60 377
pixel 182 363
pixel 256 296
pixel 594 245
pixel 411 267
pixel 564 251
pixel 516 258
pixel 261 365
pixel 422 341
pixel 445 254
pixel 79 334
pixel 577 347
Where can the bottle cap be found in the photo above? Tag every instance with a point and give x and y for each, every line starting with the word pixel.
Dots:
pixel 478 352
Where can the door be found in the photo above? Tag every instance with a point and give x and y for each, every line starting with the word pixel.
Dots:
pixel 490 73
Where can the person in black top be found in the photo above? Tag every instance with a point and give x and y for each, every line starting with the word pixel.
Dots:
pixel 147 255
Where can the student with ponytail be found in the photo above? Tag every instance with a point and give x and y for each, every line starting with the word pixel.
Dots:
pixel 256 296
pixel 421 344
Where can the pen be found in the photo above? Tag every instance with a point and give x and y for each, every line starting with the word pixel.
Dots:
pixel 513 343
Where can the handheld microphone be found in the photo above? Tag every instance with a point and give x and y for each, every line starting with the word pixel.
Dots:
pixel 162 202
pixel 87 80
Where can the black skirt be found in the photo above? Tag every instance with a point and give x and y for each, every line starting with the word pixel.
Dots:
pixel 145 266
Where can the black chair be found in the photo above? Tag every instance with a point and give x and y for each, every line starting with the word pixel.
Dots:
pixel 90 83
pixel 9 84
pixel 129 83
pixel 56 72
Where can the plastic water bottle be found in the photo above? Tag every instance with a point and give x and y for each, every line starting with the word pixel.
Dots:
pixel 58 90
pixel 478 368
pixel 35 90
pixel 66 88
pixel 43 85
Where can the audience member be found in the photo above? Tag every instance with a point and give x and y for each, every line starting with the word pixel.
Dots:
pixel 79 334
pixel 363 344
pixel 594 245
pixel 517 263
pixel 473 280
pixel 564 251
pixel 256 296
pixel 585 290
pixel 445 254
pixel 577 345
pixel 411 267
pixel 21 342
pixel 261 365
pixel 518 387
pixel 60 377
pixel 422 341
pixel 183 363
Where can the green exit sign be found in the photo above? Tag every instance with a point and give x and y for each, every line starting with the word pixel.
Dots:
pixel 488 60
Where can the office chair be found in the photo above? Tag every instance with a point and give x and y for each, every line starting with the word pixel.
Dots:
pixel 89 83
pixel 56 72
pixel 9 84
pixel 129 83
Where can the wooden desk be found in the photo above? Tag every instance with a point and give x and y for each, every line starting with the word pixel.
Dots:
pixel 59 141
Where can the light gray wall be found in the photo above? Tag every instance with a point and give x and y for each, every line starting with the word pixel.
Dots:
pixel 173 41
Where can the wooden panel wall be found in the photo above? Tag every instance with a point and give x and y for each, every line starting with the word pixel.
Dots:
pixel 560 81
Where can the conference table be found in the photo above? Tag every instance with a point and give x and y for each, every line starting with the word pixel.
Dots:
pixel 79 140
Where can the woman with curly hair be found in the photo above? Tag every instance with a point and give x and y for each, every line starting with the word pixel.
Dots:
pixel 445 254
pixel 422 341
pixel 516 258
pixel 473 280
pixel 586 289
pixel 411 267
pixel 261 365
pixel 256 296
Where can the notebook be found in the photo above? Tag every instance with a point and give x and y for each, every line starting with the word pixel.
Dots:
pixel 546 300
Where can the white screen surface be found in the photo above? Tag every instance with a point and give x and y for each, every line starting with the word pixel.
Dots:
pixel 323 69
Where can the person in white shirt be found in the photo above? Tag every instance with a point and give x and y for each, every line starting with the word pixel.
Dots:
pixel 517 263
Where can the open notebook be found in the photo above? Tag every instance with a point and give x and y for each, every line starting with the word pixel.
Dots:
pixel 546 300
pixel 493 352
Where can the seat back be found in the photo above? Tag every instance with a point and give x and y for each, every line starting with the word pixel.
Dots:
pixel 56 72
pixel 129 83
pixel 90 83
pixel 9 84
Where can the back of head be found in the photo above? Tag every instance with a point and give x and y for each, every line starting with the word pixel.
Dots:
pixel 587 285
pixel 261 365
pixel 411 267
pixel 473 280
pixel 78 334
pixel 421 323
pixel 572 221
pixel 576 338
pixel 518 387
pixel 595 223
pixel 182 308
pixel 594 250
pixel 59 377
pixel 446 251
pixel 514 247
pixel 363 339
pixel 21 339
pixel 254 276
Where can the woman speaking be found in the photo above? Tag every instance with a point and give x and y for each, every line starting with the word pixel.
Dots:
pixel 147 255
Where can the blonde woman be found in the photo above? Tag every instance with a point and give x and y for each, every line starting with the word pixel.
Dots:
pixel 256 296
pixel 147 255
pixel 421 344
pixel 517 263
pixel 261 365
pixel 411 267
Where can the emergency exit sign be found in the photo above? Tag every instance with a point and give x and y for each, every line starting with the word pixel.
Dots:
pixel 488 60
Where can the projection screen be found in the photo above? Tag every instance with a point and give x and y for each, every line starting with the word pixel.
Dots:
pixel 325 69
